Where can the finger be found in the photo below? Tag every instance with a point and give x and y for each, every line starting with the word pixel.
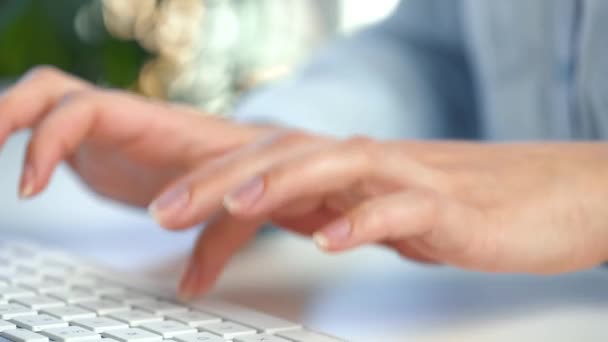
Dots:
pixel 106 116
pixel 305 224
pixel 216 245
pixel 57 137
pixel 392 217
pixel 32 97
pixel 410 251
pixel 299 208
pixel 196 196
pixel 325 172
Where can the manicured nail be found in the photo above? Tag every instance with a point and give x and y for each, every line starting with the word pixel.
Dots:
pixel 170 202
pixel 334 234
pixel 27 182
pixel 320 240
pixel 245 196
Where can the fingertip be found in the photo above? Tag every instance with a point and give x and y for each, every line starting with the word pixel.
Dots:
pixel 169 205
pixel 153 212
pixel 245 197
pixel 186 287
pixel 321 241
pixel 335 234
pixel 231 205
pixel 28 182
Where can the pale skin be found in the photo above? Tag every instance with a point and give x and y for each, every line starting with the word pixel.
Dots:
pixel 529 207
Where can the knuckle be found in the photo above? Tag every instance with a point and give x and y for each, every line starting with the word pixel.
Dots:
pixel 364 149
pixel 431 209
pixel 42 72
pixel 291 137
pixel 81 97
pixel 282 176
pixel 370 219
pixel 361 143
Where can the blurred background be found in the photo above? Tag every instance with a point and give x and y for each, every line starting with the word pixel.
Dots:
pixel 202 52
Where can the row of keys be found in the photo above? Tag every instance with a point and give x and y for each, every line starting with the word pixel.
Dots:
pixel 40 328
pixel 182 322
pixel 120 331
pixel 132 317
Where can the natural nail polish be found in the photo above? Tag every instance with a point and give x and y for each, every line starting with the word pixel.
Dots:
pixel 334 234
pixel 170 202
pixel 27 182
pixel 245 196
pixel 320 240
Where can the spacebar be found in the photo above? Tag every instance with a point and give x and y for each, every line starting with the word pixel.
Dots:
pixel 254 319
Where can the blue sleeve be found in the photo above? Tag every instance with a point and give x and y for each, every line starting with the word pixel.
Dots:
pixel 407 77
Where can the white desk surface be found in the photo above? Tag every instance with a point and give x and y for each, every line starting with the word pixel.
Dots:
pixel 368 295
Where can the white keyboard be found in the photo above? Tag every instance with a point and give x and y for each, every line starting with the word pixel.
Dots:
pixel 47 295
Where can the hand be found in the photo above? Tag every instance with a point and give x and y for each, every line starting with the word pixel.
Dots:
pixel 538 208
pixel 123 146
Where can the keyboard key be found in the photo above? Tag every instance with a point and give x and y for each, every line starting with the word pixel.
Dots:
pixel 39 302
pixel 53 266
pixel 260 321
pixel 104 307
pixel 307 336
pixel 22 250
pixel 168 329
pixel 68 313
pixel 71 334
pixel 128 297
pixel 136 317
pixel 194 318
pixel 200 337
pixel 101 288
pixel 56 275
pixel 160 307
pixel 85 280
pixel 132 335
pixel 25 269
pixel 12 292
pixel 23 335
pixel 5 261
pixel 260 338
pixel 4 325
pixel 228 329
pixel 9 311
pixel 73 296
pixel 43 285
pixel 100 324
pixel 38 322
pixel 11 275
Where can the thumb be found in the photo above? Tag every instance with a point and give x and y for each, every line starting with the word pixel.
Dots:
pixel 392 217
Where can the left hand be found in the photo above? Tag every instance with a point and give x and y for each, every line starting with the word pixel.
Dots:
pixel 537 208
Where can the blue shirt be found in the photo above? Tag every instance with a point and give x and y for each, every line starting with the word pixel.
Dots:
pixel 493 69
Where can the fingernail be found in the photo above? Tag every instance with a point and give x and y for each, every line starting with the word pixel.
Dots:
pixel 27 182
pixel 170 202
pixel 245 196
pixel 320 240
pixel 334 234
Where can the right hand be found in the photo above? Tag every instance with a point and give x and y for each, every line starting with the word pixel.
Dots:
pixel 122 146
